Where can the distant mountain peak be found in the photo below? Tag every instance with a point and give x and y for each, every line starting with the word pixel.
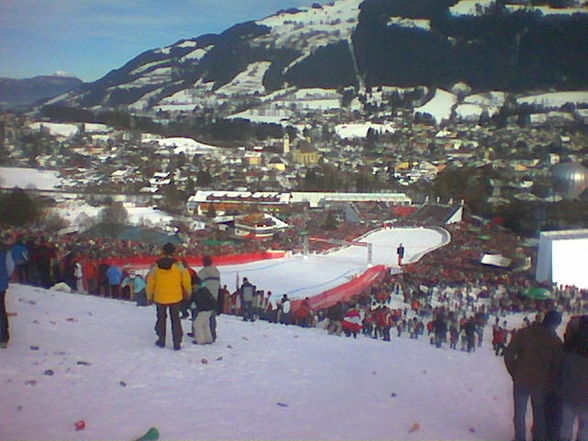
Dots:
pixel 18 93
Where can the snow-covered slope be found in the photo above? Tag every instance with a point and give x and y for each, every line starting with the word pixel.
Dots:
pixel 309 28
pixel 79 358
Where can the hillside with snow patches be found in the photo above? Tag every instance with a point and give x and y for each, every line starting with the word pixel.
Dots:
pixel 323 47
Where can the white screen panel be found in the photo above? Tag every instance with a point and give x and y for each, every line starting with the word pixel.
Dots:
pixel 570 262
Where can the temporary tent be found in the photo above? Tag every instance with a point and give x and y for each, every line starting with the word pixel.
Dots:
pixel 562 257
pixel 537 293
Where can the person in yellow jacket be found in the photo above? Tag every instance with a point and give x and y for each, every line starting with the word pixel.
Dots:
pixel 168 284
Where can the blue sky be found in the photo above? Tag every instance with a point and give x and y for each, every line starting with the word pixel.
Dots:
pixel 88 38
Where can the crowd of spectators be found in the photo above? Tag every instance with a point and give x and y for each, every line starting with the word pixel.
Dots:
pixel 448 284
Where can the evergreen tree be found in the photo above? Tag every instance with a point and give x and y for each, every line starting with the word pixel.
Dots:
pixel 17 208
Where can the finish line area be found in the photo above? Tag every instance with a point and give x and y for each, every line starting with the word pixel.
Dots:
pixel 301 276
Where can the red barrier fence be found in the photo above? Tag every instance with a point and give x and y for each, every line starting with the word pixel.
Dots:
pixel 143 262
pixel 346 291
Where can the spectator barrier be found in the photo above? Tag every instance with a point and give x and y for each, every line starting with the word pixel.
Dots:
pixel 145 262
pixel 345 291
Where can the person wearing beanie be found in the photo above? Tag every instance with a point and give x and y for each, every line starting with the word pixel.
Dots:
pixel 210 275
pixel 533 359
pixel 6 269
pixel 168 284
pixel 573 386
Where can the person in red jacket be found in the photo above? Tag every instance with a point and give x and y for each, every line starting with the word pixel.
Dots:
pixel 384 322
pixel 90 274
pixel 303 314
pixel 499 339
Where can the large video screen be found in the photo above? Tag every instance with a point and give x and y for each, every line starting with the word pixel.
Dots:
pixel 569 260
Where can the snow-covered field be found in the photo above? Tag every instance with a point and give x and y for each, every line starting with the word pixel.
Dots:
pixel 440 106
pixel 247 82
pixel 73 357
pixel 311 28
pixel 470 7
pixel 188 146
pixel 478 7
pixel 77 212
pixel 357 130
pixel 556 99
pixel 29 178
pixel 57 129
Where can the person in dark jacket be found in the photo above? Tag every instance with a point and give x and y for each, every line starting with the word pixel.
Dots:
pixel 469 329
pixel 400 254
pixel 532 359
pixel 206 305
pixel 440 329
pixel 573 386
pixel 68 274
pixel 6 268
pixel 247 291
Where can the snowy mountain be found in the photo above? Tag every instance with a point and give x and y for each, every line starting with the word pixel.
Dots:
pixel 350 43
pixel 17 93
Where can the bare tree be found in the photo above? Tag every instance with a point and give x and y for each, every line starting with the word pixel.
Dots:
pixel 114 213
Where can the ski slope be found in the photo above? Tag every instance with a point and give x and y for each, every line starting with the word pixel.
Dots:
pixel 305 276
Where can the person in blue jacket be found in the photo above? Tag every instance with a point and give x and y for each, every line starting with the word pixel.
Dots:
pixel 6 268
pixel 20 256
pixel 115 276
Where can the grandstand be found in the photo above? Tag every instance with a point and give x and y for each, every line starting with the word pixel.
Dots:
pixel 438 214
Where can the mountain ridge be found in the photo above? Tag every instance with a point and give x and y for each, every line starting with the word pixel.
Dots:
pixel 15 93
pixel 354 43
